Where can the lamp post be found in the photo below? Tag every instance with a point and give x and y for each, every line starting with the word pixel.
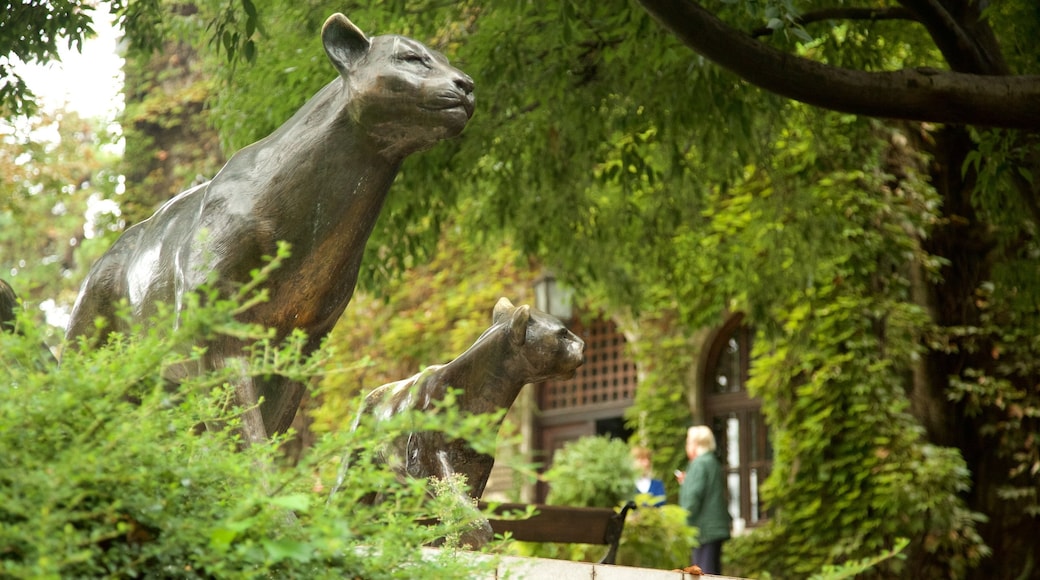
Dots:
pixel 552 298
pixel 555 300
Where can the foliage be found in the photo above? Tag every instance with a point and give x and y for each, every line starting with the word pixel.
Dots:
pixel 591 472
pixel 30 39
pixel 852 470
pixel 853 569
pixel 171 144
pixel 1014 428
pixel 656 537
pixel 58 208
pixel 117 482
pixel 32 30
pixel 877 480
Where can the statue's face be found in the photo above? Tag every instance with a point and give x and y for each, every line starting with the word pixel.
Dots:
pixel 551 348
pixel 406 95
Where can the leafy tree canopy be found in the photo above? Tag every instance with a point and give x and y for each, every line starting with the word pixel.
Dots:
pixel 34 31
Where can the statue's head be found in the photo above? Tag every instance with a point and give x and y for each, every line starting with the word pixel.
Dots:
pixel 401 92
pixel 550 350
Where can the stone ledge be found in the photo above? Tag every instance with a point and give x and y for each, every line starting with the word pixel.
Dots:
pixel 519 568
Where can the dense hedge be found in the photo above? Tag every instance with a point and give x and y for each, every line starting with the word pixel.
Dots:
pixel 103 472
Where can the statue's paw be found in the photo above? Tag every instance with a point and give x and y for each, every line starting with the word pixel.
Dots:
pixel 478 537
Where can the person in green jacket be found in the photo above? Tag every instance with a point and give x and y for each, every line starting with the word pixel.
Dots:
pixel 702 494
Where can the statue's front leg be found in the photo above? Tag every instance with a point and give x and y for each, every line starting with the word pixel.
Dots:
pixel 281 400
pixel 480 533
pixel 247 396
pixel 268 404
pixel 246 392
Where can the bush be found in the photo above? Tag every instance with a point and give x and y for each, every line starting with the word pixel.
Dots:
pixel 103 472
pixel 657 537
pixel 591 472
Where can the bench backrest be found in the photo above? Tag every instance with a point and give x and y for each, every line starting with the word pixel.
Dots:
pixel 571 525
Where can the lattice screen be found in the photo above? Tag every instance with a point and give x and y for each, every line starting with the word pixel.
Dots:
pixel 607 376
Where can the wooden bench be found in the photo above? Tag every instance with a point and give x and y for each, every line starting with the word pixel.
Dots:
pixel 569 525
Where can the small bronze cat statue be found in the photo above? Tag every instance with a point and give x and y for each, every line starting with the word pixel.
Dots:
pixel 8 304
pixel 318 182
pixel 522 346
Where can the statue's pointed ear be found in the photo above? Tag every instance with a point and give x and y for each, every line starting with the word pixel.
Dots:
pixel 518 325
pixel 502 309
pixel 344 42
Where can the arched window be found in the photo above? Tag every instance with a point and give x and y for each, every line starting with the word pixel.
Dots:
pixel 736 419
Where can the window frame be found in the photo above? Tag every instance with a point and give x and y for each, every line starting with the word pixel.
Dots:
pixel 716 408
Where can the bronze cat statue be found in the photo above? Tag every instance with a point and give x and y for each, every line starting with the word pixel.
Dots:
pixel 317 182
pixel 523 345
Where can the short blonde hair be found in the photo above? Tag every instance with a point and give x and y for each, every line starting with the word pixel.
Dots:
pixel 701 438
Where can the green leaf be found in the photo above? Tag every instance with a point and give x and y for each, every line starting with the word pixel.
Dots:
pixel 297 502
pixel 249 51
pixel 283 549
pixel 221 538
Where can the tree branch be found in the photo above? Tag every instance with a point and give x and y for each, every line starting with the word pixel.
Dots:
pixel 876 14
pixel 960 50
pixel 913 94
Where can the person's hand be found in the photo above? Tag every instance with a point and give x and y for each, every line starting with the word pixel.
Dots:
pixel 680 476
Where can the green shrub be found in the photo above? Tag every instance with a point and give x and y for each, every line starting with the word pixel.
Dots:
pixel 591 472
pixel 657 537
pixel 103 472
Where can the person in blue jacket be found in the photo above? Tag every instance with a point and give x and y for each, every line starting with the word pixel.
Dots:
pixel 702 493
pixel 646 483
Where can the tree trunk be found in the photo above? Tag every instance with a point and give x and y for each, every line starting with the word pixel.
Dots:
pixel 966 240
pixel 170 145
